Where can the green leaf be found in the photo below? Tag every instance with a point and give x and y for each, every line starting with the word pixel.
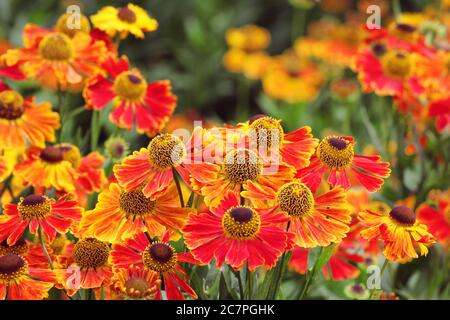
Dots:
pixel 324 256
pixel 224 294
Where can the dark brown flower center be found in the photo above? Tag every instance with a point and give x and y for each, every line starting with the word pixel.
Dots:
pixel 378 49
pixel 338 143
pixel 241 214
pixel 161 252
pixel 10 263
pixel 403 215
pixel 126 15
pixel 52 155
pixel 11 105
pixel 134 79
pixel 33 199
pixel 34 206
pixel 405 27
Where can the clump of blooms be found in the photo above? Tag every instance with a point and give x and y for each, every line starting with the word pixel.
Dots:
pixel 168 209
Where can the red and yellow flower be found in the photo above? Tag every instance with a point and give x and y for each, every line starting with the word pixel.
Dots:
pixel 148 105
pixel 135 283
pixel 315 220
pixel 36 211
pixel 404 237
pixel 123 21
pixel 54 59
pixel 295 148
pixel 86 266
pixel 20 279
pixel 24 121
pixel 235 234
pixel 159 257
pixel 153 168
pixel 386 64
pixel 437 216
pixel 119 215
pixel 335 155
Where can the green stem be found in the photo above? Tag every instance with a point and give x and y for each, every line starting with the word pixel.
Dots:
pixel 6 186
pixel 90 294
pixel 41 241
pixel 242 109
pixel 95 129
pixel 298 24
pixel 177 183
pixel 237 274
pixel 310 277
pixel 250 283
pixel 396 8
pixel 383 268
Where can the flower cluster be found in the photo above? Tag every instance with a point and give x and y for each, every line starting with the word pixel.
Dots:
pixel 252 195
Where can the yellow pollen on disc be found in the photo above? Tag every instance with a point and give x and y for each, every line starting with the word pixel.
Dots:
pixel 34 207
pixel 397 64
pixel 242 165
pixel 268 132
pixel 335 152
pixel 69 26
pixel 11 105
pixel 241 223
pixel 165 151
pixel 91 253
pixel 159 257
pixel 296 199
pixel 19 248
pixel 12 267
pixel 130 86
pixel 135 203
pixel 56 47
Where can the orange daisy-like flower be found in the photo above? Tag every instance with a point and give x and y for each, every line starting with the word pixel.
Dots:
pixel 129 19
pixel 149 105
pixel 342 264
pixel 295 148
pixel 236 234
pixel 86 266
pixel 335 155
pixel 159 257
pixel 56 60
pixel 62 167
pixel 20 279
pixel 47 168
pixel 152 168
pixel 119 215
pixel 33 251
pixel 386 64
pixel 36 211
pixel 403 236
pixel 135 283
pixel 292 79
pixel 437 217
pixel 23 121
pixel 314 220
